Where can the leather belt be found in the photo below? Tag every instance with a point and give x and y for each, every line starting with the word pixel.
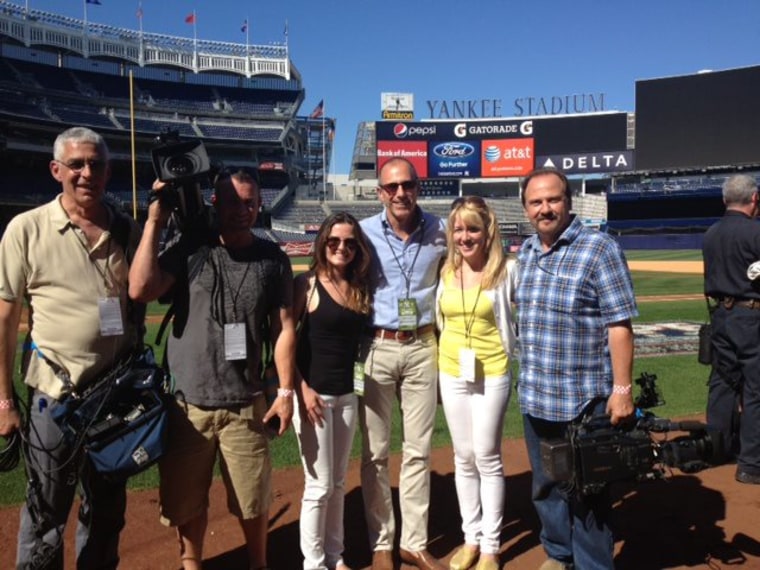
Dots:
pixel 730 302
pixel 403 336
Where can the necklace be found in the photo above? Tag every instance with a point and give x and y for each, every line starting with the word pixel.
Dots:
pixel 343 297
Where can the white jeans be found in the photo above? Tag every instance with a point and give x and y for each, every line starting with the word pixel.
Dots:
pixel 324 454
pixel 475 415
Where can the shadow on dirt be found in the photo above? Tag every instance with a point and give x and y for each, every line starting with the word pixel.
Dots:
pixel 675 522
pixel 658 524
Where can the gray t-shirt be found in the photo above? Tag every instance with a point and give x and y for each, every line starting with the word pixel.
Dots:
pixel 241 286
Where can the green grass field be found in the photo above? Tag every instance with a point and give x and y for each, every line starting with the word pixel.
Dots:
pixel 681 379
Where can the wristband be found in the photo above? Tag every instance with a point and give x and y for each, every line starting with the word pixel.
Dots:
pixel 7 405
pixel 285 393
pixel 620 389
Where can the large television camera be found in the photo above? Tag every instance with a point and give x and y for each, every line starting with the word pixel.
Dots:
pixel 185 168
pixel 596 453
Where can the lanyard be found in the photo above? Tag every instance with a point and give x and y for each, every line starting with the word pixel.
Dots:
pixel 104 271
pixel 407 277
pixel 468 322
pixel 234 294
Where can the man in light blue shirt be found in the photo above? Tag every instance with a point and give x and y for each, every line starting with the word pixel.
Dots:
pixel 408 247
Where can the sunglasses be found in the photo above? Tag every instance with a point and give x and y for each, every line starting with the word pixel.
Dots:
pixel 392 187
pixel 334 243
pixel 79 164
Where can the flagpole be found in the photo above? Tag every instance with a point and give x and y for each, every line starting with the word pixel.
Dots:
pixel 84 6
pixel 141 55
pixel 195 41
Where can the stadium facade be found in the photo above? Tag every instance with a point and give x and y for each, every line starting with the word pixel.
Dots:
pixel 650 177
pixel 241 100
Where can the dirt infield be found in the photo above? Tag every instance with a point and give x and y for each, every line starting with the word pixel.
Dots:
pixel 667 266
pixel 704 521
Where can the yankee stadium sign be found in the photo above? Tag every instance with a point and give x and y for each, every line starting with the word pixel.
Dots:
pixel 523 106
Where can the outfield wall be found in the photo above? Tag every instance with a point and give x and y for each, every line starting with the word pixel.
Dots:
pixel 660 241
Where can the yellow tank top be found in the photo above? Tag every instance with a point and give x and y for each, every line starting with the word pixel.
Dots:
pixel 483 337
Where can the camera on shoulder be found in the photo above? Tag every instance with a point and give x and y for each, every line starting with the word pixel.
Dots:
pixel 185 168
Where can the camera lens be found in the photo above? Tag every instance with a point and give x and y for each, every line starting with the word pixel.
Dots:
pixel 180 166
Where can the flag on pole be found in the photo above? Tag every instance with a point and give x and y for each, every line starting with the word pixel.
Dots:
pixel 190 18
pixel 244 27
pixel 139 12
pixel 96 2
pixel 318 110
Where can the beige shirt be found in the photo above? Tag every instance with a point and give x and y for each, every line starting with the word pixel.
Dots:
pixel 46 259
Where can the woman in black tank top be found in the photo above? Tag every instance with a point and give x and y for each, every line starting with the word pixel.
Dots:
pixel 333 299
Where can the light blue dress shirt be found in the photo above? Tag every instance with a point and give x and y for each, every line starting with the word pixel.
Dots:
pixel 405 269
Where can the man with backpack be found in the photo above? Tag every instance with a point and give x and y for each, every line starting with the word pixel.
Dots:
pixel 68 259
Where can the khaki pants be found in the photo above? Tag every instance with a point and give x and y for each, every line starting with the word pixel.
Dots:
pixel 407 371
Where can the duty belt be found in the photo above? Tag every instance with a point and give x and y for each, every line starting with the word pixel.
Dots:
pixel 731 302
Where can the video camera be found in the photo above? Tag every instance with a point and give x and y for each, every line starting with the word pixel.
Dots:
pixel 596 453
pixel 185 167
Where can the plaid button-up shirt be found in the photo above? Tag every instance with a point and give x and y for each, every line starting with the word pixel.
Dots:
pixel 566 297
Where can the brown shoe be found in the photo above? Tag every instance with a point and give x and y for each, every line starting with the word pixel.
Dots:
pixel 421 559
pixel 382 560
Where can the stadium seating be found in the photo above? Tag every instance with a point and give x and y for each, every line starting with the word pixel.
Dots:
pixel 268 195
pixel 263 233
pixel 238 131
pixel 299 213
pixel 283 236
pixel 358 210
pixel 80 115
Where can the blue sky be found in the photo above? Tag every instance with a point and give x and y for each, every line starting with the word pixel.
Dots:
pixel 350 51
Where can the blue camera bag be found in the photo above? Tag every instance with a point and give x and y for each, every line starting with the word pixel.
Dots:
pixel 120 420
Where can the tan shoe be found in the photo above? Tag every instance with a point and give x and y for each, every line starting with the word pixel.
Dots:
pixel 382 560
pixel 487 564
pixel 421 559
pixel 464 558
pixel 552 564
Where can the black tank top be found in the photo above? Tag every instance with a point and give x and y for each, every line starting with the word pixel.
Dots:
pixel 327 346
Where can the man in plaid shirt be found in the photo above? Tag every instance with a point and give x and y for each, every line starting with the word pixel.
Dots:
pixel 575 303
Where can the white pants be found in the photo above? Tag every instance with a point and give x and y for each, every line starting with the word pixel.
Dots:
pixel 324 453
pixel 475 415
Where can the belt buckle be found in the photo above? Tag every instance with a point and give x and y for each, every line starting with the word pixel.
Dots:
pixel 400 333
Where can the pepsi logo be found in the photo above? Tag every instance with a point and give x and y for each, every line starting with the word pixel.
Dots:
pixel 400 130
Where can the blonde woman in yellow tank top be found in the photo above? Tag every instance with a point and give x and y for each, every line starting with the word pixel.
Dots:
pixel 474 313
